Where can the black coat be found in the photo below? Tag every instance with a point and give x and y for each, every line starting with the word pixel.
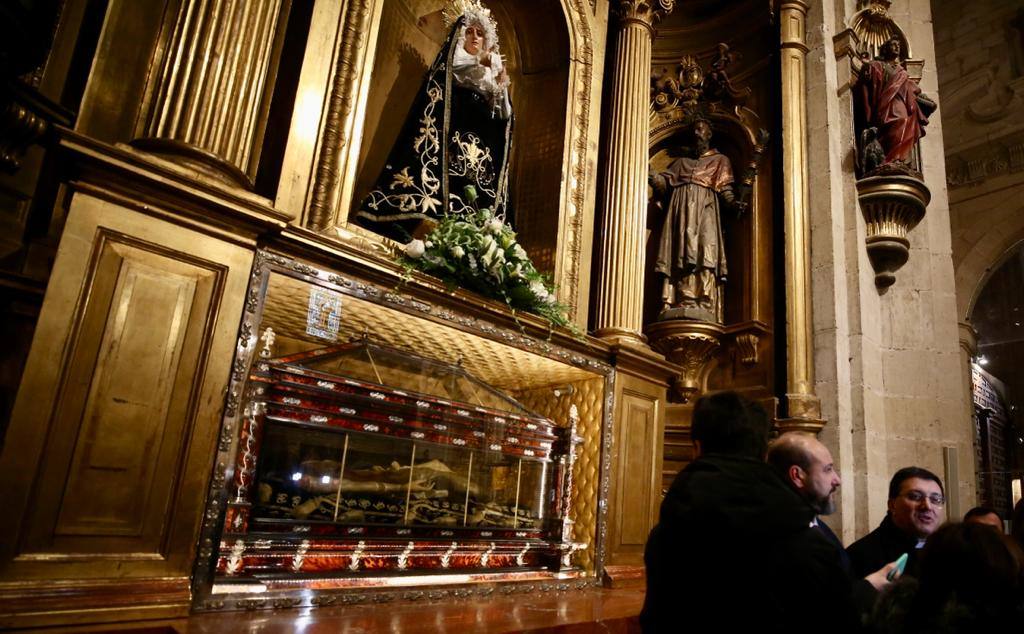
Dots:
pixel 881 546
pixel 733 551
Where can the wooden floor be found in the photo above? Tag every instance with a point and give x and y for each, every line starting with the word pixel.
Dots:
pixel 597 610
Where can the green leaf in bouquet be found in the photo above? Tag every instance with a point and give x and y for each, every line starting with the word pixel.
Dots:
pixel 521 296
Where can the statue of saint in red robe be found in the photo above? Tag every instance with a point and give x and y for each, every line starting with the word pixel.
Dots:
pixel 889 101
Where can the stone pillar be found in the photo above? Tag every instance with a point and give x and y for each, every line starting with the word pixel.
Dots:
pixel 803 407
pixel 207 102
pixel 968 351
pixel 619 310
pixel 887 365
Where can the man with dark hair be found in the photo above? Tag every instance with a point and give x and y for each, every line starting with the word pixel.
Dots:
pixel 984 515
pixel 733 550
pixel 916 503
pixel 729 424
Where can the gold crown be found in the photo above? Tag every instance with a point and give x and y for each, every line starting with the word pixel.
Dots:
pixel 475 12
pixel 455 9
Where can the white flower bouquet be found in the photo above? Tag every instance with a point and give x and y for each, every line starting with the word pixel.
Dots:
pixel 478 251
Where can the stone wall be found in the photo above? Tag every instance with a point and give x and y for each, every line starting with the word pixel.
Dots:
pixel 887 365
pixel 981 75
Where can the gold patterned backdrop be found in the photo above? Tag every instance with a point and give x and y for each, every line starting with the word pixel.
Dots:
pixel 287 304
pixel 587 396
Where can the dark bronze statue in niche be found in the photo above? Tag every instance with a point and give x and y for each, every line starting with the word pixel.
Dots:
pixel 891 113
pixel 691 252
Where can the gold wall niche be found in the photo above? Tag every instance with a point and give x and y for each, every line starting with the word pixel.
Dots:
pixel 554 53
pixel 744 357
pixel 534 40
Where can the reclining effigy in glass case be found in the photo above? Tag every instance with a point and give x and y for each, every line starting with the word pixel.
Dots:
pixel 383 441
pixel 365 439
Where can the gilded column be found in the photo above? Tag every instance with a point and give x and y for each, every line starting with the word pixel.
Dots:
pixel 207 102
pixel 803 406
pixel 338 154
pixel 619 310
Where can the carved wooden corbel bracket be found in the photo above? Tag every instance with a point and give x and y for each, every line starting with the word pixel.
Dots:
pixel 892 205
pixel 25 118
pixel 691 345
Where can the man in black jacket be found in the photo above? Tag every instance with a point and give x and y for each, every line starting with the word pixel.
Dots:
pixel 806 465
pixel 916 504
pixel 733 550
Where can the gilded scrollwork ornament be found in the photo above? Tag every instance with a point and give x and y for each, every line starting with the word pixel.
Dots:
pixel 644 12
pixel 689 91
pixel 692 345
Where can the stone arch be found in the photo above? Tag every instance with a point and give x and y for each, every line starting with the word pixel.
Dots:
pixel 984 256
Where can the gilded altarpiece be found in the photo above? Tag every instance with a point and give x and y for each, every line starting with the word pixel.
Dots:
pixel 147 335
pixel 719 64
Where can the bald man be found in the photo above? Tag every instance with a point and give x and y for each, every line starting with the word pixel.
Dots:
pixel 806 465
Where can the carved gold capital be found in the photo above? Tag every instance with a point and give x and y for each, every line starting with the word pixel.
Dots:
pixel 645 13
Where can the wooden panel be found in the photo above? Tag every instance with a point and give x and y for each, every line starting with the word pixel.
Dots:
pixel 636 494
pixel 116 453
pixel 116 422
pixel 636 444
pixel 132 422
pixel 678 448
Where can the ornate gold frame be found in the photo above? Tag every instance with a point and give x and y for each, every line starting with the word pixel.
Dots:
pixel 321 191
pixel 593 380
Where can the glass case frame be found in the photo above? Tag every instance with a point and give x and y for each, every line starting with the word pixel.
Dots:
pixel 250 549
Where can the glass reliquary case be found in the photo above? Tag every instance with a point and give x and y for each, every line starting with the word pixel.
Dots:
pixel 386 441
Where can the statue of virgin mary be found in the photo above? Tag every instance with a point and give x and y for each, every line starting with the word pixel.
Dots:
pixel 457 133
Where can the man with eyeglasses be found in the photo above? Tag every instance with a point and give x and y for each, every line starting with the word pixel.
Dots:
pixel 916 505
